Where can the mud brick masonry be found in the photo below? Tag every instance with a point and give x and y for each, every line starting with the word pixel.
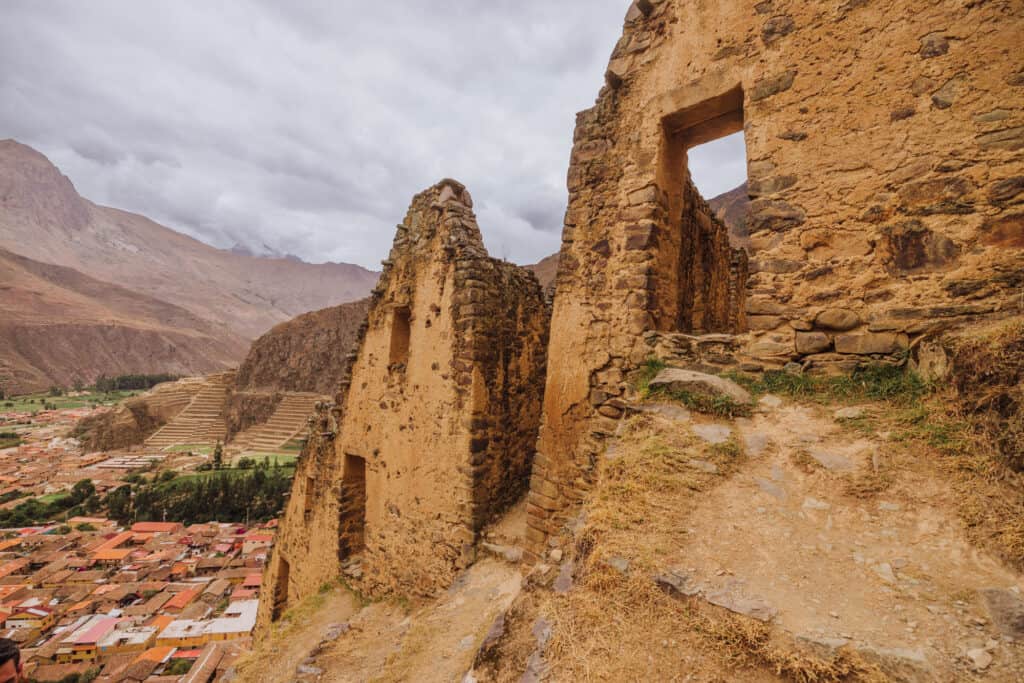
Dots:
pixel 434 429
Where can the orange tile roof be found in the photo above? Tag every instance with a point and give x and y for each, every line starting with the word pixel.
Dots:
pixel 180 600
pixel 161 622
pixel 9 543
pixel 155 654
pixel 115 555
pixel 13 566
pixel 155 527
pixel 10 589
pixel 112 543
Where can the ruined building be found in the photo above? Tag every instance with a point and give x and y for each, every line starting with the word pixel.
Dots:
pixel 434 430
pixel 884 148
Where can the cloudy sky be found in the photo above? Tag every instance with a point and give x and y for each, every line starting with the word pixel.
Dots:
pixel 307 125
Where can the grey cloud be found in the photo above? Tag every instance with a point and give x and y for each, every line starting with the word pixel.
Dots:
pixel 307 126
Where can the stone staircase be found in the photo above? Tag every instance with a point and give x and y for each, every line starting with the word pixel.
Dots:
pixel 171 398
pixel 202 420
pixel 289 419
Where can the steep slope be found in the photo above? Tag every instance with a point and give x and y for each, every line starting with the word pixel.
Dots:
pixel 43 217
pixel 546 269
pixel 731 208
pixel 58 325
pixel 305 354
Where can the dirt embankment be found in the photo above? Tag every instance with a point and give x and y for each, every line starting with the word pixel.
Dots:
pixel 305 354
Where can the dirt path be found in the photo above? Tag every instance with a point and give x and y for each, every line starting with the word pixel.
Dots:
pixel 843 542
pixel 437 642
pixel 279 658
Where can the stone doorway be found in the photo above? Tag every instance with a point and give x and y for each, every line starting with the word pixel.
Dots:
pixel 705 273
pixel 352 508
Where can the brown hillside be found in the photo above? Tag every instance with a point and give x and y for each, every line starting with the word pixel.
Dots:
pixel 732 208
pixel 305 354
pixel 58 325
pixel 44 218
pixel 545 270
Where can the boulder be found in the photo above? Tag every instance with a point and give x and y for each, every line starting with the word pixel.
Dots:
pixel 870 343
pixel 711 386
pixel 812 342
pixel 770 349
pixel 838 319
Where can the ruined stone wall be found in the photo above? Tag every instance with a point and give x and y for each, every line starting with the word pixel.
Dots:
pixel 434 429
pixel 884 161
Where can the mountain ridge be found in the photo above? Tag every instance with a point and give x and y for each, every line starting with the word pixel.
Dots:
pixel 43 218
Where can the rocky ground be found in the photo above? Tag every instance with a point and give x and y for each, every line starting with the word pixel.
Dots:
pixel 802 541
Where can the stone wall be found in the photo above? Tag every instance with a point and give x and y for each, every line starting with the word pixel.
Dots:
pixel 435 425
pixel 884 163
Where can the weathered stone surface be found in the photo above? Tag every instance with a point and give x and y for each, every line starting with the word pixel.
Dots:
pixel 748 607
pixel 774 215
pixel 699 383
pixel 838 167
pixel 712 433
pixel 812 342
pixel 870 343
pixel 934 45
pixel 1006 608
pixel 1005 231
pixel 771 349
pixel 777 27
pixel 772 86
pixel 832 461
pixel 1010 139
pixel 442 327
pixel 838 319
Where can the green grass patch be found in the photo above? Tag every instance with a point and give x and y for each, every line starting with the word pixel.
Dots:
pixel 721 406
pixel 282 459
pixel 194 448
pixel 43 401
pixel 50 498
pixel 648 371
pixel 876 382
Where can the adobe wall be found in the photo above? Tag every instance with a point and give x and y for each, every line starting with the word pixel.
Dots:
pixel 884 161
pixel 435 434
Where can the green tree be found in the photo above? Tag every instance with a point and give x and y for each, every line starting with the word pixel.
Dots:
pixel 82 490
pixel 218 456
pixel 179 667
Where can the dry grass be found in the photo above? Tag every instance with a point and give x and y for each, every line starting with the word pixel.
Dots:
pixel 616 626
pixel 989 381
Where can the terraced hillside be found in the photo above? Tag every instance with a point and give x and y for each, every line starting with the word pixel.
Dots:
pixel 202 420
pixel 287 422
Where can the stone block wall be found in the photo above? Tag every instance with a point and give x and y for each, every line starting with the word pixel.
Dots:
pixel 435 424
pixel 885 167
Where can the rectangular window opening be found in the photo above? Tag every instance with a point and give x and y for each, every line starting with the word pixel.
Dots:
pixel 704 172
pixel 352 509
pixel 400 332
pixel 281 590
